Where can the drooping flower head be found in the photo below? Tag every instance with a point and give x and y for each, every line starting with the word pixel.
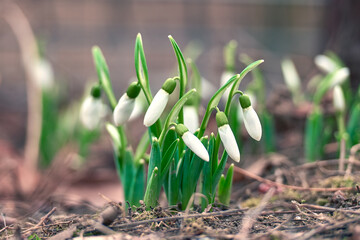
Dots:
pixel 126 104
pixel 325 64
pixel 227 136
pixel 192 142
pixel 159 102
pixel 251 119
pixel 92 109
pixel 338 99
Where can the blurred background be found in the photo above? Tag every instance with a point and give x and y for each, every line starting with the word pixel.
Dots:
pixel 264 29
pixel 268 29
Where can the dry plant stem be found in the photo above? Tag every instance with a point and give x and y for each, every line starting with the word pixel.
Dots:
pixel 26 39
pixel 42 220
pixel 272 183
pixel 251 216
pixel 342 155
pixel 310 234
pixel 352 158
pixel 329 209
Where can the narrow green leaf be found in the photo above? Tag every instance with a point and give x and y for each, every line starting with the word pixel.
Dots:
pixel 155 157
pixel 225 186
pixel 175 112
pixel 138 187
pixel 182 66
pixel 313 135
pixel 219 170
pixel 167 158
pixel 141 68
pixel 128 175
pixel 103 75
pixel 153 188
pixel 115 136
pixel 268 131
pixel 353 126
pixel 196 81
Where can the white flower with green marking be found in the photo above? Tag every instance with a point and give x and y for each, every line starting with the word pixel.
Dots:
pixel 325 64
pixel 159 102
pixel 338 99
pixel 251 119
pixel 191 118
pixel 92 110
pixel 227 136
pixel 340 76
pixel 126 104
pixel 192 142
pixel 43 74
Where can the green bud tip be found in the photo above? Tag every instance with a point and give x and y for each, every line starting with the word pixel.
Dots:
pixel 181 129
pixel 133 90
pixel 221 119
pixel 169 85
pixel 244 101
pixel 96 91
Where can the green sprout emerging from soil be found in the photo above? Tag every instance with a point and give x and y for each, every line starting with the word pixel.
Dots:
pixel 179 157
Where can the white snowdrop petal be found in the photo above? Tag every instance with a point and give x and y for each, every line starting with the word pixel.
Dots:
pixel 224 78
pixel 228 139
pixel 338 99
pixel 123 109
pixel 340 76
pixel 156 107
pixel 325 64
pixel 90 112
pixel 195 145
pixel 291 76
pixel 191 118
pixel 252 123
pixel 43 74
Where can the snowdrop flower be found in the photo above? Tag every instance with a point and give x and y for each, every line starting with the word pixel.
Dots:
pixel 325 64
pixel 192 142
pixel 43 74
pixel 338 99
pixel 159 102
pixel 92 109
pixel 251 119
pixel 224 78
pixel 291 76
pixel 227 136
pixel 126 104
pixel 339 76
pixel 191 118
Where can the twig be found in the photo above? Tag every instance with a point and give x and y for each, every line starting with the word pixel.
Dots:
pixel 321 229
pixel 272 183
pixel 42 220
pixel 329 209
pixel 251 215
pixel 354 149
pixel 276 228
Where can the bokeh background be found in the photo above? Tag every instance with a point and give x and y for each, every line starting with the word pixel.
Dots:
pixel 264 29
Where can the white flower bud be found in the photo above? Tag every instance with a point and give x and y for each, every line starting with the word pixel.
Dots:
pixel 91 112
pixel 191 118
pixel 123 109
pixel 252 123
pixel 228 139
pixel 195 145
pixel 291 76
pixel 340 76
pixel 156 107
pixel 325 64
pixel 224 78
pixel 43 74
pixel 338 99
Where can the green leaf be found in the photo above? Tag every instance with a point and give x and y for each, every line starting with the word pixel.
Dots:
pixel 313 135
pixel 182 66
pixel 115 136
pixel 219 170
pixel 167 158
pixel 153 189
pixel 175 112
pixel 103 75
pixel 225 186
pixel 195 81
pixel 128 175
pixel 237 82
pixel 268 131
pixel 353 126
pixel 141 68
pixel 155 157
